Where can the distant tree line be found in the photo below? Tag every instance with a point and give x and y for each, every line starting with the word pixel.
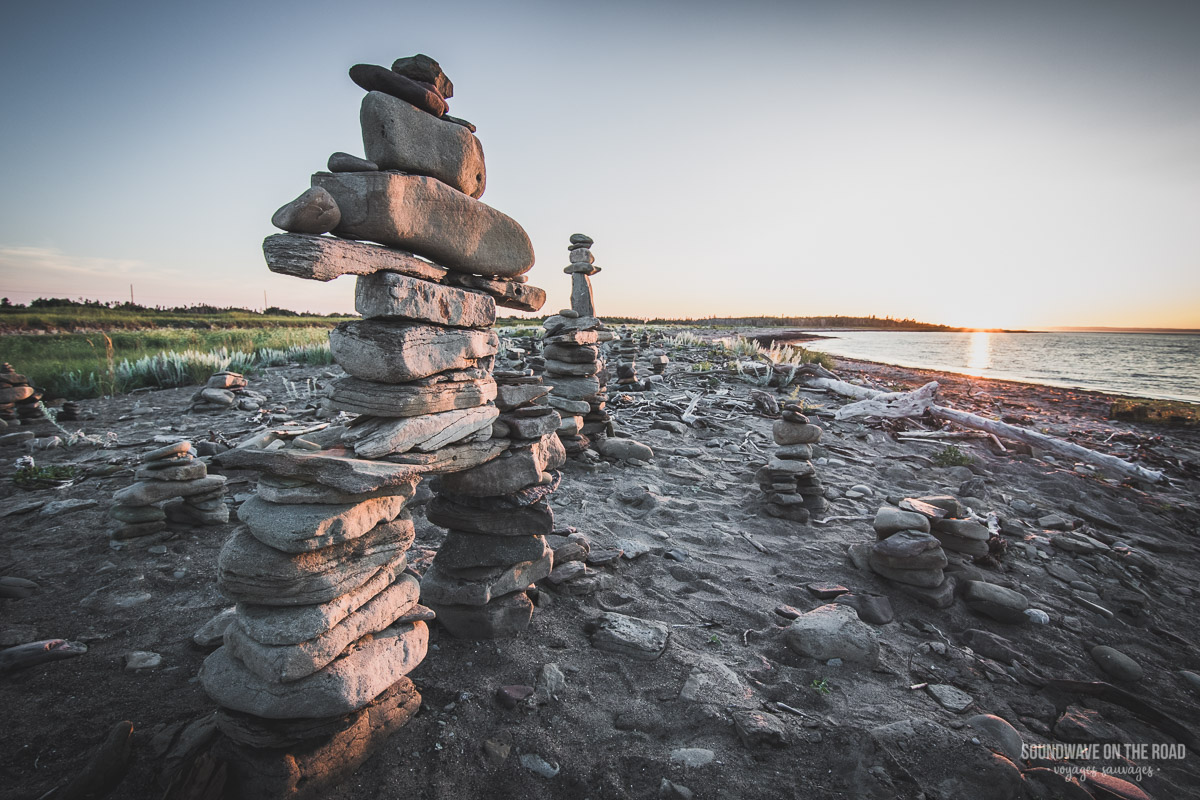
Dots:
pixel 196 309
pixel 887 323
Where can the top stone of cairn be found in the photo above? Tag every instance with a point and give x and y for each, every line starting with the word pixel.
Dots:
pixel 424 69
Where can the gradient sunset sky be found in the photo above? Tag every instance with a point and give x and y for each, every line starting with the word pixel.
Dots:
pixel 1014 164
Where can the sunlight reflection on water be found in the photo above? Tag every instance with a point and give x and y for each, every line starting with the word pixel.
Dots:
pixel 979 357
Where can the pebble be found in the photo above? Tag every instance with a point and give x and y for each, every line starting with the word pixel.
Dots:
pixel 692 756
pixel 141 659
pixel 513 695
pixel 1116 664
pixel 1005 735
pixel 950 698
pixel 538 765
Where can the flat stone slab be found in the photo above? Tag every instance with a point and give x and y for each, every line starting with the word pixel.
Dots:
pixel 287 663
pixel 388 294
pixel 397 135
pixel 534 519
pixel 347 684
pixel 574 388
pixel 377 438
pixel 411 399
pixel 515 469
pixel 453 458
pixel 249 571
pixel 429 218
pixel 511 396
pixel 323 258
pixel 502 618
pixel 477 587
pixel 889 520
pixel 507 293
pixel 632 637
pixel 833 631
pixel 278 625
pixel 462 550
pixel 146 493
pixel 351 475
pixel 292 491
pixel 392 352
pixel 300 528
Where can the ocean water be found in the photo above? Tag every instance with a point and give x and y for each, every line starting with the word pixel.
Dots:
pixel 1164 366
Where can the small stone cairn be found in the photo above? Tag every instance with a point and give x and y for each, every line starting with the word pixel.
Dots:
pixel 571 354
pixel 912 541
pixel 18 399
pixel 312 676
pixel 222 391
pixel 172 486
pixel 794 491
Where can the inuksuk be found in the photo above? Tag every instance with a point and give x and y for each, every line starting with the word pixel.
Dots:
pixel 789 479
pixel 908 555
pixel 312 675
pixel 572 355
pixel 172 485
pixel 498 517
pixel 19 400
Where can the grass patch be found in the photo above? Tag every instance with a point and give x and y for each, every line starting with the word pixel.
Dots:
pixel 34 477
pixel 951 456
pixel 1173 413
pixel 80 365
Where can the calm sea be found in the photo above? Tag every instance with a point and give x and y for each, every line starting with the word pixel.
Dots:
pixel 1165 366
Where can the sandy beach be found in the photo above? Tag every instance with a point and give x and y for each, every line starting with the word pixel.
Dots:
pixel 728 710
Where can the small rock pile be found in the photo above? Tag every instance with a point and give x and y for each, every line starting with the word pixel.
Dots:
pixel 626 350
pixel 18 399
pixel 172 485
pixel 659 361
pixel 571 355
pixel 69 412
pixel 224 390
pixel 312 675
pixel 790 481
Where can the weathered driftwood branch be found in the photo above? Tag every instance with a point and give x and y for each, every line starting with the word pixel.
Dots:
pixel 911 404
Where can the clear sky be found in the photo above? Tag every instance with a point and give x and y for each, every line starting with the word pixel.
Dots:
pixel 1014 164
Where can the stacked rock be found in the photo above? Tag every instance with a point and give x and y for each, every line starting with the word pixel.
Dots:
pixel 659 361
pixel 571 354
pixel 497 517
pixel 18 399
pixel 312 676
pixel 907 554
pixel 219 393
pixel 172 484
pixel 794 491
pixel 69 412
pixel 626 351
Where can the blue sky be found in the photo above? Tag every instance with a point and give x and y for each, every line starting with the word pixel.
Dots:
pixel 1014 164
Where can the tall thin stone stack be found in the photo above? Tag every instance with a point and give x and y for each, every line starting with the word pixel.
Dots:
pixel 312 675
pixel 572 356
pixel 789 480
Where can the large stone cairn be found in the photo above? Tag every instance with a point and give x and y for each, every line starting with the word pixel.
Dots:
pixel 172 485
pixel 313 672
pixel 572 356
pixel 912 540
pixel 794 490
pixel 18 399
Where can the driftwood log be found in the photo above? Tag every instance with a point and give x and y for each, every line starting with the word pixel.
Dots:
pixel 895 405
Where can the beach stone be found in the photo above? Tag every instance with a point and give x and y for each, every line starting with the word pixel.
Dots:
pixel 963 528
pixel 350 475
pixel 141 659
pixel 144 493
pixel 212 633
pixel 392 295
pixel 786 433
pixel 428 432
pixel 390 352
pixel 909 550
pixel 440 586
pixel 462 550
pixel 925 577
pixel 510 396
pixel 502 618
pixel 1086 725
pixel 873 609
pixel 586 354
pixel 136 514
pixel 531 520
pixel 531 427
pixel 323 258
pixel 221 398
pixel 758 728
pixel 833 631
pixel 950 698
pixel 249 571
pixel 170 451
pixel 410 399
pixel 1109 787
pixel 997 602
pixel 1007 739
pixel 939 595
pixel 556 368
pixel 136 530
pixel 58 507
pixel 424 216
pixel 303 527
pixel 424 69
pixel 957 544
pixel 935 759
pixel 347 684
pixel 344 162
pixel 889 520
pixel 948 503
pixel 575 388
pixel 315 211
pixel 1116 664
pixel 692 757
pixel 991 645
pixel 632 637
pixel 518 468
pixel 171 470
pixel 454 457
pixel 374 78
pixel 927 510
pixel 286 663
pixel 186 513
pixel 398 136
pixel 623 449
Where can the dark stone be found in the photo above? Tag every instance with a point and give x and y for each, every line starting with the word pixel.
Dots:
pixel 872 608
pixel 374 78
pixel 536 519
pixel 990 645
pixel 513 695
pixel 344 162
pixel 757 728
pixel 826 591
pixel 469 126
pixel 424 69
